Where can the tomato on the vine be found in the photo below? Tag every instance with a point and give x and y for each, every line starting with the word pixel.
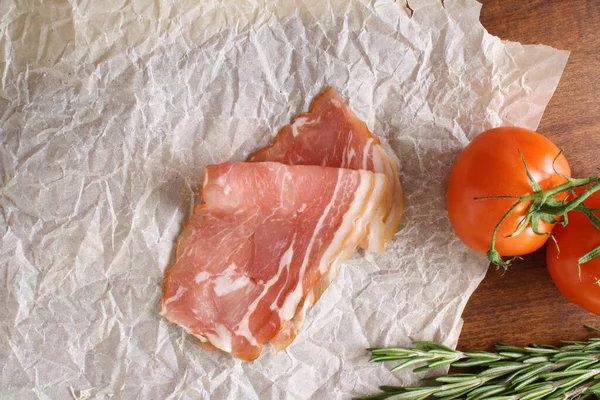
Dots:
pixel 574 240
pixel 491 165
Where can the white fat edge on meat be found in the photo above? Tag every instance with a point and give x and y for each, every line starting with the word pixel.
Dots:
pixel 200 336
pixel 300 316
pixel 243 328
pixel 349 151
pixel 180 291
pixel 287 176
pixel 377 226
pixel 378 160
pixel 221 338
pixel 353 224
pixel 351 154
pixel 371 218
pixel 366 153
pixel 293 298
pixel 355 237
pixel 383 163
pixel 225 283
pixel 202 276
pixel 301 121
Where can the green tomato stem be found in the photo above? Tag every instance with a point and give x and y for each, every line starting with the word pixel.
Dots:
pixel 544 206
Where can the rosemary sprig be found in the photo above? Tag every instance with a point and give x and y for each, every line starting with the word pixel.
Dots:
pixel 570 371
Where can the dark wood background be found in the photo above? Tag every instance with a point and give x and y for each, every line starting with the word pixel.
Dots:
pixel 522 306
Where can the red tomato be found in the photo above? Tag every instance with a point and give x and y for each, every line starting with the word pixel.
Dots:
pixel 576 239
pixel 491 166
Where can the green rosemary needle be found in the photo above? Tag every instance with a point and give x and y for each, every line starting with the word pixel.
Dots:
pixel 570 371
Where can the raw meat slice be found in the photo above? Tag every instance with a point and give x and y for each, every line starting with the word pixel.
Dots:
pixel 266 234
pixel 331 135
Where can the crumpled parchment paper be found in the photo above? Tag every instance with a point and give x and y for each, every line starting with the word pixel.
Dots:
pixel 109 112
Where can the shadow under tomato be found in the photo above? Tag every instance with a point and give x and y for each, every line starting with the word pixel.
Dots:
pixel 520 307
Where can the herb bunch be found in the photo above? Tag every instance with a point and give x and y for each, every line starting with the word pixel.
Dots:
pixel 571 371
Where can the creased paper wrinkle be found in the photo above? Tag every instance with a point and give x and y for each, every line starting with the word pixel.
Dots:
pixel 109 113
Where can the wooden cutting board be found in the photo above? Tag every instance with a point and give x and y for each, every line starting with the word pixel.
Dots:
pixel 522 306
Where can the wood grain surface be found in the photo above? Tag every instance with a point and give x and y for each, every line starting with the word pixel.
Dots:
pixel 522 306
